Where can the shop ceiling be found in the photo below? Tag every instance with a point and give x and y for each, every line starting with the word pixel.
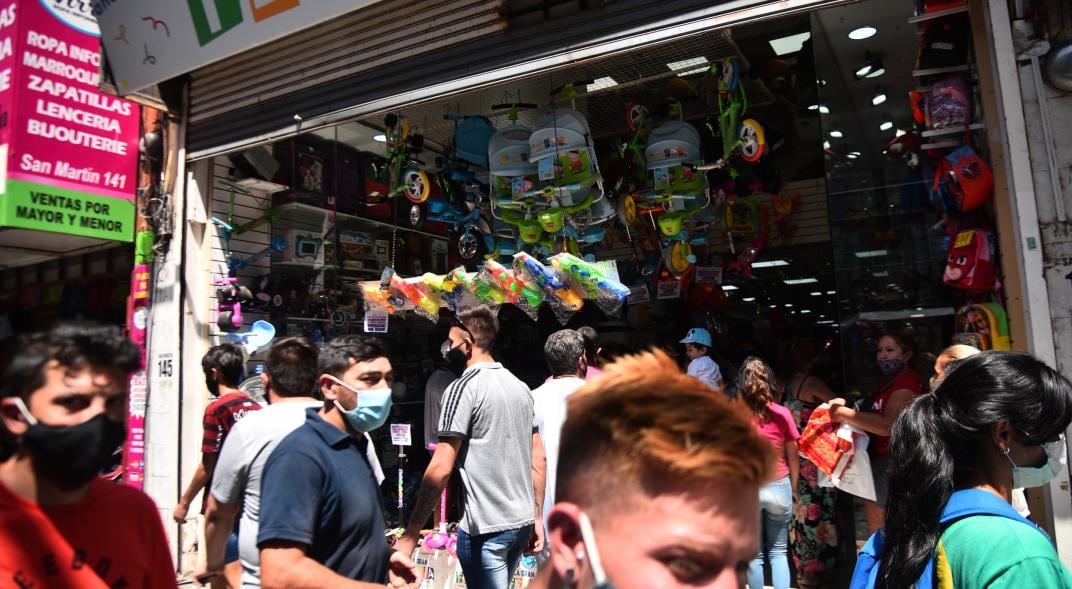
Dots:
pixel 23 247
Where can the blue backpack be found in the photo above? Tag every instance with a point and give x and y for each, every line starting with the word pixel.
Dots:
pixel 961 504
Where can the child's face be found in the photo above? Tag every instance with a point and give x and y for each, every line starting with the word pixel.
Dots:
pixel 694 351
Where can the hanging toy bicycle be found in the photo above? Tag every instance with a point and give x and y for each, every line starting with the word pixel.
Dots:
pixel 740 138
pixel 402 178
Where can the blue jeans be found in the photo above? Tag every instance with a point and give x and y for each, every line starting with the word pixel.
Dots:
pixel 489 560
pixel 776 511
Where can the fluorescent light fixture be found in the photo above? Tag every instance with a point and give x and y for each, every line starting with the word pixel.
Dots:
pixel 877 72
pixel 917 315
pixel 602 83
pixel 692 72
pixel 823 110
pixel 826 145
pixel 774 306
pixel 862 33
pixel 870 254
pixel 863 70
pixel 381 138
pixel 853 155
pixel 790 44
pixel 749 299
pixel 878 98
pixel 789 305
pixel 687 64
pixel 830 292
pixel 813 107
pixel 805 311
pixel 899 133
pixel 885 126
pixel 728 287
pixel 825 322
pixel 770 264
pixel 796 281
pixel 836 134
pixel 816 293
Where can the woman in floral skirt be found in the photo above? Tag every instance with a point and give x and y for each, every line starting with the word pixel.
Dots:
pixel 813 532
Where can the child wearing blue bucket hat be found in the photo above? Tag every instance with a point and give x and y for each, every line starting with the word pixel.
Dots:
pixel 697 342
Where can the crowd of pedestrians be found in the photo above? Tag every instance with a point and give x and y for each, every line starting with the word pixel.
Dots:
pixel 633 474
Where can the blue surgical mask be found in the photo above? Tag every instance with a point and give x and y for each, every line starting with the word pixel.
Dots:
pixel 1024 477
pixel 373 407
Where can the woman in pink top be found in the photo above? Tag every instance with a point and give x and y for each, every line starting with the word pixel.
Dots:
pixel 757 388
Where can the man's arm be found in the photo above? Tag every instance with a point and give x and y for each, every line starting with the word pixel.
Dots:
pixel 435 478
pixel 200 478
pixel 285 565
pixel 219 521
pixel 539 482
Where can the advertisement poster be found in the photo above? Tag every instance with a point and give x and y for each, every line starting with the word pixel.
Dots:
pixel 71 151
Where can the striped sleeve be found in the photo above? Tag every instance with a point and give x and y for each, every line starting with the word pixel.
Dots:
pixel 456 416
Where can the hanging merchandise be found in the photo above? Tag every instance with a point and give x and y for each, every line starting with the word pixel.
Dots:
pixel 740 137
pixel 520 292
pixel 970 264
pixel 607 293
pixel 984 326
pixel 945 43
pixel 966 177
pixel 949 103
pixel 401 178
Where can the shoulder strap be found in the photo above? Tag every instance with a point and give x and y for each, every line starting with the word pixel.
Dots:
pixel 969 502
pixel 800 386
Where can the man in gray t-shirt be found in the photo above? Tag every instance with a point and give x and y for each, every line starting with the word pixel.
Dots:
pixel 486 429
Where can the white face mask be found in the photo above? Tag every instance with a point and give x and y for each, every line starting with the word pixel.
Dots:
pixel 588 538
pixel 1024 477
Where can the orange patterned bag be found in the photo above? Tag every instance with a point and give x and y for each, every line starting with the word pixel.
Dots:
pixel 820 443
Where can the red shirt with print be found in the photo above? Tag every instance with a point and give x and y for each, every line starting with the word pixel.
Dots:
pixel 880 397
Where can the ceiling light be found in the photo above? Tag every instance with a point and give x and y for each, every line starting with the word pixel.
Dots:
pixel 881 274
pixel 871 68
pixel 862 33
pixel 853 155
pixel 381 138
pixel 693 72
pixel 790 44
pixel 836 134
pixel 826 145
pixel 687 64
pixel 821 82
pixel 816 293
pixel 774 306
pixel 899 133
pixel 917 315
pixel 749 299
pixel 602 83
pixel 813 107
pixel 823 110
pixel 825 322
pixel 885 126
pixel 830 292
pixel 796 281
pixel 789 305
pixel 805 311
pixel 770 264
pixel 871 254
pixel 728 287
pixel 879 97
pixel 863 70
pixel 877 72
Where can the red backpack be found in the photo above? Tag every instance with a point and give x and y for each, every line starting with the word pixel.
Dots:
pixel 967 176
pixel 970 263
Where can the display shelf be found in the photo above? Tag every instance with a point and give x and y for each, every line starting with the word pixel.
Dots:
pixel 940 145
pixel 294 265
pixel 941 70
pixel 298 215
pixel 951 130
pixel 940 14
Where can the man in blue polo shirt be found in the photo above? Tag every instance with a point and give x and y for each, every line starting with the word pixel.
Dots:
pixel 321 513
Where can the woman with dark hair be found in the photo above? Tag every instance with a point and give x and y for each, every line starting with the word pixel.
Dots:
pixel 995 423
pixel 876 413
pixel 813 534
pixel 757 387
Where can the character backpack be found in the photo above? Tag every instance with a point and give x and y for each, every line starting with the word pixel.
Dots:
pixel 966 177
pixel 983 326
pixel 970 263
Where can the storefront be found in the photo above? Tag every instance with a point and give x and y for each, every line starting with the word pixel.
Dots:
pixel 802 203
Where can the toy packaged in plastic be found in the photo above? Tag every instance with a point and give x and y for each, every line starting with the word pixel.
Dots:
pixel 485 291
pixel 608 294
pixel 417 295
pixel 558 292
pixel 949 103
pixel 521 293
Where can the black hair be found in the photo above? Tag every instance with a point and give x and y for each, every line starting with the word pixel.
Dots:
pixel 562 350
pixel 291 366
pixel 591 344
pixel 229 360
pixel 74 345
pixel 342 352
pixel 935 446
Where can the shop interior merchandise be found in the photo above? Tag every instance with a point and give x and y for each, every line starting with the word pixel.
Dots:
pixel 818 175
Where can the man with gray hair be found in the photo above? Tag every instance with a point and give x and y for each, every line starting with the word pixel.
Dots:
pixel 564 353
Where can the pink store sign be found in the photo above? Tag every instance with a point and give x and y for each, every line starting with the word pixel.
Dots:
pixel 70 151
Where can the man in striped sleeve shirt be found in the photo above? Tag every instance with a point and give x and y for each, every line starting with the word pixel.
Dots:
pixel 486 428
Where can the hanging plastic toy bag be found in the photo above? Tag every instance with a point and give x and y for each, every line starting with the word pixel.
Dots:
pixel 949 103
pixel 607 293
pixel 481 290
pixel 417 295
pixel 558 292
pixel 521 293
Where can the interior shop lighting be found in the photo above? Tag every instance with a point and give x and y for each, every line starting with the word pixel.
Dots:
pixel 878 71
pixel 825 322
pixel 381 138
pixel 749 299
pixel 805 311
pixel 871 254
pixel 602 83
pixel 885 126
pixel 826 145
pixel 917 315
pixel 881 274
pixel 728 287
pixel 789 44
pixel 770 264
pixel 836 134
pixel 823 110
pixel 796 281
pixel 789 305
pixel 816 293
pixel 865 32
pixel 693 72
pixel 852 155
pixel 813 107
pixel 899 133
pixel 879 97
pixel 830 292
pixel 687 64
pixel 871 68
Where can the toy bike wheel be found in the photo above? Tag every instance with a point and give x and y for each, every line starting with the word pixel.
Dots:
pixel 418 185
pixel 731 74
pixel 636 115
pixel 753 140
pixel 469 245
pixel 678 257
pixel 627 209
pixel 416 215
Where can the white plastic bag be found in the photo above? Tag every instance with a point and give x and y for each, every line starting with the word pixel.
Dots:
pixel 440 568
pixel 853 472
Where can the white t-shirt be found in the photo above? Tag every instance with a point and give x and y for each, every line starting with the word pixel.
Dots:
pixel 705 369
pixel 549 402
pixel 237 478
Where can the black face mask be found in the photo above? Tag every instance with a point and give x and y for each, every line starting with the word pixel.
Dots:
pixel 212 384
pixel 70 456
pixel 457 359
